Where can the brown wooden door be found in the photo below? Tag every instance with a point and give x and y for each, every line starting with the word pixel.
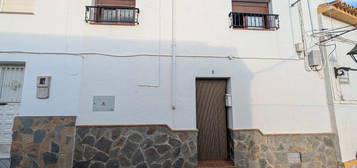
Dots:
pixel 211 119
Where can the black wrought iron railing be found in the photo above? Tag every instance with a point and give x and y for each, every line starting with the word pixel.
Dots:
pixel 112 14
pixel 254 20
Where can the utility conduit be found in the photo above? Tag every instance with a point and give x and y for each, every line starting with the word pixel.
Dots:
pixel 83 55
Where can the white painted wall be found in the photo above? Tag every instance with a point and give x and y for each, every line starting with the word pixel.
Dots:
pixel 271 89
pixel 262 88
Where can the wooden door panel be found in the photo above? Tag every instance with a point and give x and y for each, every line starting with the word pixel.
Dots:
pixel 211 119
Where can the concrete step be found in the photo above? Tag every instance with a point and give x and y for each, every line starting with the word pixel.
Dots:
pixel 215 164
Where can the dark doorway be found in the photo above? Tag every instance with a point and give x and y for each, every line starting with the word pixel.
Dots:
pixel 211 119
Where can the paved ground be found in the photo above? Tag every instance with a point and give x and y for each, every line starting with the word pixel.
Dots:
pixel 4 163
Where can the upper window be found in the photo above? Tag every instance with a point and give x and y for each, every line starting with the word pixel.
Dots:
pixel 253 14
pixel 113 12
pixel 17 6
pixel 11 81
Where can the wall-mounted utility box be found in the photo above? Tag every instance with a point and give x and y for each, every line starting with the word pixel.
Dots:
pixel 43 87
pixel 344 78
pixel 299 48
pixel 103 103
pixel 315 60
pixel 228 100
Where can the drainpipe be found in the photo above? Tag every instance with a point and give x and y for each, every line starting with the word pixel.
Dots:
pixel 291 25
pixel 173 52
pixel 302 27
pixel 310 14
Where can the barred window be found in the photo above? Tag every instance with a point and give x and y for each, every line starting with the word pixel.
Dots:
pixel 11 82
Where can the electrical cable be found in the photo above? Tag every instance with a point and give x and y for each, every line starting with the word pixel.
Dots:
pixel 338 35
pixel 354 58
pixel 331 38
pixel 323 31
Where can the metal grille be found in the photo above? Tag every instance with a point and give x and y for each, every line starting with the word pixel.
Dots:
pixel 11 81
pixel 112 14
pixel 254 20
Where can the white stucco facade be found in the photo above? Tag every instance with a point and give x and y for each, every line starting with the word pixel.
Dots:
pixel 271 90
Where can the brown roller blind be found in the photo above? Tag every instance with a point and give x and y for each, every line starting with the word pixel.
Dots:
pixel 128 3
pixel 250 7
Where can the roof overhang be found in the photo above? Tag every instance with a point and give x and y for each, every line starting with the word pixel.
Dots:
pixel 339 11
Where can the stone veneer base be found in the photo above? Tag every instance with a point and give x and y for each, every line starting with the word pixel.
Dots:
pixel 43 142
pixel 134 146
pixel 55 142
pixel 252 149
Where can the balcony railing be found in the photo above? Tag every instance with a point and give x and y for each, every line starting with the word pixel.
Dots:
pixel 112 14
pixel 254 20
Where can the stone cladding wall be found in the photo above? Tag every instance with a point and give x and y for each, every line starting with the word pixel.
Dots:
pixel 43 142
pixel 252 149
pixel 134 147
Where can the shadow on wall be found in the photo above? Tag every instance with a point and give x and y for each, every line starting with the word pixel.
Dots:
pixel 136 71
pixel 237 70
pixel 107 45
pixel 124 49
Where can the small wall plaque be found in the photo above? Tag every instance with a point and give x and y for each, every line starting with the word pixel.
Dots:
pixel 103 103
pixel 294 158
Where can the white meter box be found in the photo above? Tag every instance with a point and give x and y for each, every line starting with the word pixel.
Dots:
pixel 43 87
pixel 103 103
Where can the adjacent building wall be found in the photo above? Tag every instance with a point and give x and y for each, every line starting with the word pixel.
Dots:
pixel 344 94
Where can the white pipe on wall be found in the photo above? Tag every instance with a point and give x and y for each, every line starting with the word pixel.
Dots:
pixel 310 14
pixel 173 52
pixel 291 25
pixel 302 28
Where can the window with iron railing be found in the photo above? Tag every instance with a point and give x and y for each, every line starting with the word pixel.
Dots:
pixel 112 15
pixel 113 12
pixel 253 14
pixel 254 20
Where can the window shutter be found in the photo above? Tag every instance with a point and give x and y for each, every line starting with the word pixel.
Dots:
pixel 128 3
pixel 250 7
pixel 23 6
